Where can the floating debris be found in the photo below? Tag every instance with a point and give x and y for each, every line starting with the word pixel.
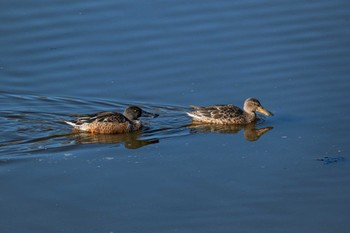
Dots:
pixel 329 160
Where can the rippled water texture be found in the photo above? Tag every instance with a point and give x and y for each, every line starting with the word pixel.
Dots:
pixel 286 173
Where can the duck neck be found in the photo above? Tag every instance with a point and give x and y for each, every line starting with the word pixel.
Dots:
pixel 135 125
pixel 250 116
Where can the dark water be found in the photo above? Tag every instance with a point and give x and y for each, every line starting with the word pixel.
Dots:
pixel 287 173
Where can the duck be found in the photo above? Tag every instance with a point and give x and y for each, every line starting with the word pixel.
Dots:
pixel 228 114
pixel 110 122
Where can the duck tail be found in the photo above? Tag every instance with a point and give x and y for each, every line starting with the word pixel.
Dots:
pixel 193 115
pixel 70 123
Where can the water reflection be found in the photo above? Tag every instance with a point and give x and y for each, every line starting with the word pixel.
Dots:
pixel 130 140
pixel 251 132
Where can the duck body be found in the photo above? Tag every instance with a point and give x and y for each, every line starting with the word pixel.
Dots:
pixel 228 114
pixel 110 122
pixel 221 114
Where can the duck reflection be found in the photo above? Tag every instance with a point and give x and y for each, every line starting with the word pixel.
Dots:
pixel 251 133
pixel 130 140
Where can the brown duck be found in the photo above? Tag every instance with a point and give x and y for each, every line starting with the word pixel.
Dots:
pixel 228 114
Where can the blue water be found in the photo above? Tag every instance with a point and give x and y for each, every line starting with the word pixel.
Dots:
pixel 287 173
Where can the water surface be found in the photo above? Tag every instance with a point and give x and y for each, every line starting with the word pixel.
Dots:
pixel 287 173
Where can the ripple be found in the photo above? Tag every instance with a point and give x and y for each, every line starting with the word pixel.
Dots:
pixel 27 132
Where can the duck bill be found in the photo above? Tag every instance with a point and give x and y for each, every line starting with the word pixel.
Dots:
pixel 149 114
pixel 264 111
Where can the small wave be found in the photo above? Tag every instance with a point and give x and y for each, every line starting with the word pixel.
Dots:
pixel 35 124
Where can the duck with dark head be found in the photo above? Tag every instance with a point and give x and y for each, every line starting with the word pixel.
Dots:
pixel 111 122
